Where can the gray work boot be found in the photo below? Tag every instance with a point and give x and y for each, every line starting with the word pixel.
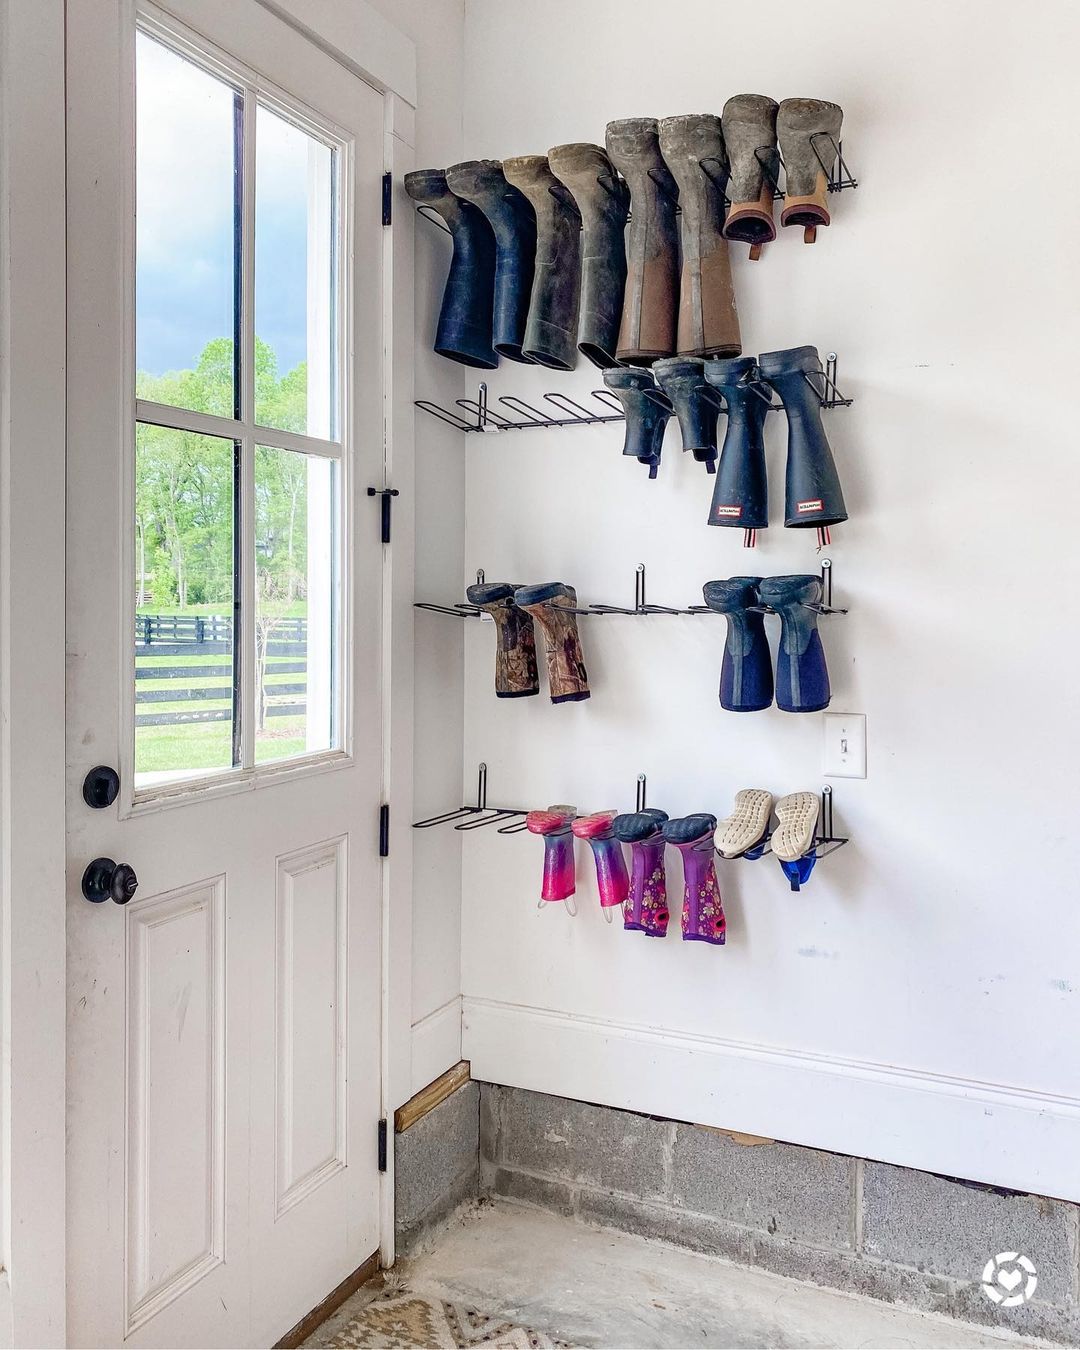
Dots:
pixel 513 222
pixel 749 123
pixel 604 201
pixel 809 134
pixel 650 305
pixel 551 330
pixel 693 149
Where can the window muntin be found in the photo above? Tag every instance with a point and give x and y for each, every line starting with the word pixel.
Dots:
pixel 266 598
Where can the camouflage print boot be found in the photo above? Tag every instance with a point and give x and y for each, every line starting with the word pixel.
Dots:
pixel 552 605
pixel 650 305
pixel 809 134
pixel 604 202
pixel 551 330
pixel 516 675
pixel 749 124
pixel 464 330
pixel 693 149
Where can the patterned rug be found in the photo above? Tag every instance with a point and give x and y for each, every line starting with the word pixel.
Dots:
pixel 406 1320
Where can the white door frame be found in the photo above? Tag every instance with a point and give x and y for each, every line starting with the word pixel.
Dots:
pixel 32 650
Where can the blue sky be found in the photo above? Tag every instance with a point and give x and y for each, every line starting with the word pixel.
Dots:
pixel 184 228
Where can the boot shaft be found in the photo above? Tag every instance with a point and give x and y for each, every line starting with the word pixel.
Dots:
pixel 513 223
pixel 650 305
pixel 603 200
pixel 682 379
pixel 464 331
pixel 693 149
pixel 646 418
pixel 551 329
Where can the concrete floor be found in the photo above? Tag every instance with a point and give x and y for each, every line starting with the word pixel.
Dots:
pixel 592 1287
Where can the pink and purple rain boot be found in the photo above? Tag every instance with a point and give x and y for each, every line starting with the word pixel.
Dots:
pixel 612 880
pixel 646 908
pixel 554 824
pixel 703 911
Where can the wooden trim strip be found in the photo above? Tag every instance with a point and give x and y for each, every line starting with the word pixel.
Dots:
pixel 427 1099
pixel 330 1304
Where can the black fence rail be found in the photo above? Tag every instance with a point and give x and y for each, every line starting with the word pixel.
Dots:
pixel 152 630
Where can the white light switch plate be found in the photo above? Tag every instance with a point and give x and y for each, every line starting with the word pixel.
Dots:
pixel 844 747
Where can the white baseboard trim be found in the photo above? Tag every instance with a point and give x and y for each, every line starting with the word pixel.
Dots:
pixel 984 1132
pixel 436 1044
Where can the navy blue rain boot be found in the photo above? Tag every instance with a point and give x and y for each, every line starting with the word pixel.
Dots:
pixel 513 222
pixel 746 678
pixel 741 495
pixel 646 417
pixel 813 490
pixel 682 379
pixel 802 677
pixel 464 332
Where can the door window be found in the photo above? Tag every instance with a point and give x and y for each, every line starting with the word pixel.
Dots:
pixel 238 526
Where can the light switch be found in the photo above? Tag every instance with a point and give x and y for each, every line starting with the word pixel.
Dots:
pixel 844 750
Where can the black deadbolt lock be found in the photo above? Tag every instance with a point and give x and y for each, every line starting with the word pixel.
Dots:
pixel 100 787
pixel 108 880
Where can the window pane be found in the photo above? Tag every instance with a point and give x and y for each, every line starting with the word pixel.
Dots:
pixel 295 245
pixel 186 168
pixel 296 588
pixel 184 583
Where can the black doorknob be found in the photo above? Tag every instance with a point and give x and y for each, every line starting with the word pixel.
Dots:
pixel 100 787
pixel 108 880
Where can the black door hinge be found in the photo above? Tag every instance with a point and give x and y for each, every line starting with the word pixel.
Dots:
pixel 387 199
pixel 384 830
pixel 385 494
pixel 382 1145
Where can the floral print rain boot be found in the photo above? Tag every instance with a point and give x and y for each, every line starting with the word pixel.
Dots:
pixel 646 908
pixel 703 911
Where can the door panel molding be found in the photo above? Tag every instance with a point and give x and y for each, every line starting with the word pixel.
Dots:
pixel 175 962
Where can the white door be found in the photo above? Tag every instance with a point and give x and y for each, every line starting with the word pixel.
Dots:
pixel 224 597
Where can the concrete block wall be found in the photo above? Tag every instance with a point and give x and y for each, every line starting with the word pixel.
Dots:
pixel 865 1227
pixel 436 1167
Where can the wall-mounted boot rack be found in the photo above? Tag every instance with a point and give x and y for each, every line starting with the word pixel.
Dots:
pixel 467 816
pixel 641 606
pixel 482 417
pixel 825 840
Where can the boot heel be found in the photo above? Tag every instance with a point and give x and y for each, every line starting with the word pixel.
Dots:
pixel 551 605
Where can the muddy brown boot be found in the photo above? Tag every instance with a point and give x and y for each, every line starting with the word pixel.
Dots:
pixel 464 329
pixel 513 222
pixel 551 605
pixel 693 149
pixel 650 305
pixel 604 201
pixel 551 330
pixel 516 675
pixel 809 134
pixel 749 123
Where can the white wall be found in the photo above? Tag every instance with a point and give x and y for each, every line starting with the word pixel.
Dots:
pixel 919 1001
pixel 436 27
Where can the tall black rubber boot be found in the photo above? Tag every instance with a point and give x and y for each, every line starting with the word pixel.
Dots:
pixel 682 379
pixel 646 417
pixel 513 222
pixel 809 133
pixel 814 498
pixel 604 202
pixel 746 677
pixel 650 305
pixel 464 331
pixel 693 149
pixel 741 495
pixel 551 330
pixel 749 124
